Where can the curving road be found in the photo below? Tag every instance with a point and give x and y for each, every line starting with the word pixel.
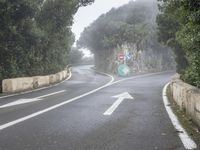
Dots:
pixel 87 112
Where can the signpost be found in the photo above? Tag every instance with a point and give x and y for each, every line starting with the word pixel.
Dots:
pixel 123 70
pixel 121 56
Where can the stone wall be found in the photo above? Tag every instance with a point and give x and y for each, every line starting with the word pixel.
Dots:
pixel 152 57
pixel 187 98
pixel 29 83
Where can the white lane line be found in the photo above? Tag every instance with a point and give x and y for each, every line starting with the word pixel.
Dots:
pixel 4 126
pixel 22 93
pixel 121 98
pixel 140 76
pixel 47 95
pixel 30 100
pixel 185 138
pixel 71 76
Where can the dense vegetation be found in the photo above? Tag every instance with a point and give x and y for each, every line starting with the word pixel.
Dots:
pixel 35 36
pixel 75 56
pixel 125 24
pixel 179 28
pixel 133 26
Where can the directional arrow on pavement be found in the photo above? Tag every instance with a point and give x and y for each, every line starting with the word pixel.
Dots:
pixel 119 100
pixel 20 101
pixel 29 100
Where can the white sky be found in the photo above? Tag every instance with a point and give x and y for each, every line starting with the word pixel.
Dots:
pixel 86 15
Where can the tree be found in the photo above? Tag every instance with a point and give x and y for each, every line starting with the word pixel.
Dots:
pixel 35 36
pixel 179 27
pixel 167 27
pixel 75 56
pixel 132 24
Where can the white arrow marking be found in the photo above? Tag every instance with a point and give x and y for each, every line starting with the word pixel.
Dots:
pixel 120 99
pixel 30 100
pixel 20 101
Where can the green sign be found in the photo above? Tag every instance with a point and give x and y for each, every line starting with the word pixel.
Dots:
pixel 123 70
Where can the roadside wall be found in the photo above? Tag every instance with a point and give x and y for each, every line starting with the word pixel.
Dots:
pixel 187 97
pixel 15 85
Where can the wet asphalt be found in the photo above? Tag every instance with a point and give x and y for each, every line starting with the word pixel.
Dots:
pixel 139 124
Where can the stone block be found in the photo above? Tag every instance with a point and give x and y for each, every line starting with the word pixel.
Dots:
pixel 42 80
pixel 17 85
pixel 27 83
pixel 196 98
pixel 187 97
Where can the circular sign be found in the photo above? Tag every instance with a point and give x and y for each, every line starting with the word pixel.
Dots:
pixel 120 56
pixel 123 70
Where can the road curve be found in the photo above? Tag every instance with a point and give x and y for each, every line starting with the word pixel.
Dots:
pixel 137 123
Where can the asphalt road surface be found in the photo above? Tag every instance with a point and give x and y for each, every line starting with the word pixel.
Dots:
pixel 90 112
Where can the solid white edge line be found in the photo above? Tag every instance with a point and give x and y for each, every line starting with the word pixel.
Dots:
pixel 140 76
pixel 4 126
pixel 185 138
pixel 22 93
pixel 38 89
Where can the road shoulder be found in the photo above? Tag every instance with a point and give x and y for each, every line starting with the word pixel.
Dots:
pixel 184 120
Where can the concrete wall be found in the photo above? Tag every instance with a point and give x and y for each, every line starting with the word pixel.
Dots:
pixel 29 83
pixel 187 97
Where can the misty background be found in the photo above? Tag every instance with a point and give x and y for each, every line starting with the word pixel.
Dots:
pixel 86 15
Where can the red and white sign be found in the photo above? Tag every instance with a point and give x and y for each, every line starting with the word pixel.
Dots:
pixel 121 56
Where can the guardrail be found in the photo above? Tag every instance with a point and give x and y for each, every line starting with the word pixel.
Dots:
pixel 187 98
pixel 16 85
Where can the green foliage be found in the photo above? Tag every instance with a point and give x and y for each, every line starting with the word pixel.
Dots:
pixel 75 56
pixel 168 25
pixel 126 24
pixel 179 27
pixel 35 36
pixel 130 25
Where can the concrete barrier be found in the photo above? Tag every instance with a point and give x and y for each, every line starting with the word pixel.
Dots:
pixel 187 98
pixel 29 83
pixel 17 85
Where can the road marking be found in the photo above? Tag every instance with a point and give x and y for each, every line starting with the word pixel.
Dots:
pixel 111 82
pixel 120 99
pixel 47 95
pixel 30 100
pixel 140 76
pixel 20 101
pixel 4 126
pixel 185 138
pixel 42 88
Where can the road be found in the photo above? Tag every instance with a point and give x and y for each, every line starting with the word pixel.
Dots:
pixel 87 112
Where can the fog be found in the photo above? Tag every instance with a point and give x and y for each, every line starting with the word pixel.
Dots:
pixel 86 15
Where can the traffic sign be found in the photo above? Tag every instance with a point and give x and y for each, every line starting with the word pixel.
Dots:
pixel 120 56
pixel 123 70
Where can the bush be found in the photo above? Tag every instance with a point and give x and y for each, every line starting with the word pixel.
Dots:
pixel 186 34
